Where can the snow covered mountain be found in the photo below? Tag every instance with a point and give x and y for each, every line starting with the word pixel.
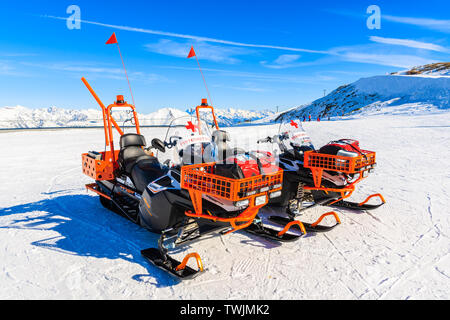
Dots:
pixel 434 69
pixel 22 117
pixel 230 116
pixel 421 87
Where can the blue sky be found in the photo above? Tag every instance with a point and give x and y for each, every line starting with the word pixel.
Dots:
pixel 255 54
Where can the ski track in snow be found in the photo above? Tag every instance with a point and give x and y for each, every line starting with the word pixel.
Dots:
pixel 59 242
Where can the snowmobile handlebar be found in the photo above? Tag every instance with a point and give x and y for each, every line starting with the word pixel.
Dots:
pixel 172 142
pixel 266 140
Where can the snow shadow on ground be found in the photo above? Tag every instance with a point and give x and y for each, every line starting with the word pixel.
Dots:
pixel 86 229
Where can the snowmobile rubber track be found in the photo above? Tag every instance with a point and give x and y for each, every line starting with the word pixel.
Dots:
pixel 308 226
pixel 168 264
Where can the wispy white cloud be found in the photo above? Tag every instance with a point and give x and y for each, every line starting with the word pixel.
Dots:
pixel 9 68
pixel 204 50
pixel 410 43
pixel 393 60
pixel 384 55
pixel 283 61
pixel 429 23
pixel 192 37
pixel 379 58
pixel 256 76
pixel 98 72
pixel 245 87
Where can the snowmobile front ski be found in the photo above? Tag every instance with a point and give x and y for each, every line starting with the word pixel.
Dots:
pixel 359 206
pixel 309 227
pixel 257 228
pixel 161 259
pixel 174 267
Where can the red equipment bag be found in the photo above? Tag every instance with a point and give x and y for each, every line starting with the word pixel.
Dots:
pixel 343 144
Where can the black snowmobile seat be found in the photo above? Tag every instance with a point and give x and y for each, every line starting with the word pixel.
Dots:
pixel 141 167
pixel 131 151
pixel 132 140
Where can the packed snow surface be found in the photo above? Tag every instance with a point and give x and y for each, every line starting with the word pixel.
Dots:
pixel 58 242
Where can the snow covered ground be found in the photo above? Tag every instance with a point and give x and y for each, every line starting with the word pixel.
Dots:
pixel 57 242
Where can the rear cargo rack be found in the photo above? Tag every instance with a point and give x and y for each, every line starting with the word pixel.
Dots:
pixel 350 165
pixel 360 165
pixel 99 169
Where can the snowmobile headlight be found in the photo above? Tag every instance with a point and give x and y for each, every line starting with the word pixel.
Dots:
pixel 264 189
pixel 260 200
pixel 277 186
pixel 275 194
pixel 242 203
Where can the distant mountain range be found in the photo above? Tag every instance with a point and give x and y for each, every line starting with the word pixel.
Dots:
pixel 22 117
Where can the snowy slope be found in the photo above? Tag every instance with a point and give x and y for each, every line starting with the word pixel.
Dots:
pixel 58 242
pixel 22 117
pixel 426 88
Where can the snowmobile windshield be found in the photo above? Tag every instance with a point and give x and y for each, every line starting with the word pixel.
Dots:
pixel 293 137
pixel 189 142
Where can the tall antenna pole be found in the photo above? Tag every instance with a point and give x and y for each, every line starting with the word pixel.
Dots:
pixel 193 54
pixel 113 40
pixel 126 74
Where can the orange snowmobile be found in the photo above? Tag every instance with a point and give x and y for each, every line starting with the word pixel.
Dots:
pixel 187 196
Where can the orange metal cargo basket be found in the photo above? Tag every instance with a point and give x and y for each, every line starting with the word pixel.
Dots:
pixel 349 165
pixel 201 178
pixel 99 170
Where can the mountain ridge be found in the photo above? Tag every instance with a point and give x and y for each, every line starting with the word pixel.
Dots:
pixel 23 117
pixel 421 86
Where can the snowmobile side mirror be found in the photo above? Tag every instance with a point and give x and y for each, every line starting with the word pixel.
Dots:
pixel 158 145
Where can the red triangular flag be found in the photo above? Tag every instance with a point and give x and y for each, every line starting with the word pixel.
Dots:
pixel 191 53
pixel 112 39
